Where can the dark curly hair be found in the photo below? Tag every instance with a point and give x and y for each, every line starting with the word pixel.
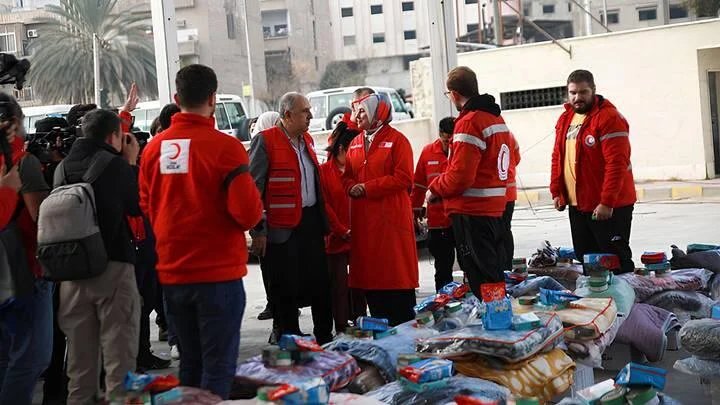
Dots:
pixel 340 137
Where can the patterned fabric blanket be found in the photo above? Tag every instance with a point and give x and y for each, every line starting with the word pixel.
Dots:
pixel 686 305
pixel 564 275
pixel 701 338
pixel 588 318
pixel 396 394
pixel 544 376
pixel 682 280
pixel 589 352
pixel 509 345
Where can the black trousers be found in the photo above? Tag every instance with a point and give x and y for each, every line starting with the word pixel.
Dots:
pixel 480 248
pixel 441 244
pixel 611 236
pixel 266 280
pixel 508 238
pixel 397 306
pixel 299 277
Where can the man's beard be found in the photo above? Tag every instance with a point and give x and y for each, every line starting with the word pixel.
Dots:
pixel 584 109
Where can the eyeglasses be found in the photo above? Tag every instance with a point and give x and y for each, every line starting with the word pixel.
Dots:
pixel 447 94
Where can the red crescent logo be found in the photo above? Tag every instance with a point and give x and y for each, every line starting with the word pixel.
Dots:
pixel 177 152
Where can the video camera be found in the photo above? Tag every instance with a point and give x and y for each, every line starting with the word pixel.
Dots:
pixel 44 145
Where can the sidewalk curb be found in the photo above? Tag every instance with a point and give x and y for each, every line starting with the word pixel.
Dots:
pixel 541 197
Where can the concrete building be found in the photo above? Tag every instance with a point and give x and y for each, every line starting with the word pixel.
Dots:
pixel 672 108
pixel 627 15
pixel 297 43
pixel 212 32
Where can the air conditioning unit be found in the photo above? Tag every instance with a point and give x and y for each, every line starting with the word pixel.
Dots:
pixel 32 34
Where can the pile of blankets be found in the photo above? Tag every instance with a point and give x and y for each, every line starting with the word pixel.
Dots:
pixel 646 329
pixel 701 338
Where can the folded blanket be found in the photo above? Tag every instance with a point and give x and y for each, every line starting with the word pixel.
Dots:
pixel 588 318
pixel 701 338
pixel 337 369
pixel 509 345
pixel 589 352
pixel 396 394
pixel 686 305
pixel 646 329
pixel 684 280
pixel 709 259
pixel 544 376
pixel 533 286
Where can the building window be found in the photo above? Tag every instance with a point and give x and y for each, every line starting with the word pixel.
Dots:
pixel 410 35
pixel 281 30
pixel 647 14
pixel 546 97
pixel 317 63
pixel 378 38
pixel 678 11
pixel 472 28
pixel 314 35
pixel 613 17
pixel 349 40
pixel 408 6
pixel 471 1
pixel 230 18
pixel 376 9
pixel 569 7
pixel 527 9
pixel 346 12
pixel 7 42
pixel 548 9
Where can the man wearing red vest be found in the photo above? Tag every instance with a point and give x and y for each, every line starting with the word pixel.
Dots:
pixel 474 186
pixel 196 190
pixel 441 241
pixel 291 237
pixel 591 172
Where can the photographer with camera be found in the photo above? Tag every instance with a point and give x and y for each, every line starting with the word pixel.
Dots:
pixel 103 312
pixel 25 318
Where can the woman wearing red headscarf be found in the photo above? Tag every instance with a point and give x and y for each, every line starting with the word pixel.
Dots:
pixel 378 176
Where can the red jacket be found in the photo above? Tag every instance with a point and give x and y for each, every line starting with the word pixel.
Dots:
pixel 196 190
pixel 384 255
pixel 8 203
pixel 283 197
pixel 433 162
pixel 337 206
pixel 475 182
pixel 514 161
pixel 603 170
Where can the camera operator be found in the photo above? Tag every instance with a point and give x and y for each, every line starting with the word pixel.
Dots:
pixel 26 324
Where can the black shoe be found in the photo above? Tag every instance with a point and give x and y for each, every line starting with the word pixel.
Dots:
pixel 153 362
pixel 266 313
pixel 274 335
pixel 163 335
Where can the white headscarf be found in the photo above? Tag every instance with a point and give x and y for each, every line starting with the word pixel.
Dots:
pixel 265 121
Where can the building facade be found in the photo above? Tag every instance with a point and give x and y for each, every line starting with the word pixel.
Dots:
pixel 297 43
pixel 628 15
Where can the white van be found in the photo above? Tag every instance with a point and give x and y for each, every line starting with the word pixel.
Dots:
pixel 35 114
pixel 230 114
pixel 329 106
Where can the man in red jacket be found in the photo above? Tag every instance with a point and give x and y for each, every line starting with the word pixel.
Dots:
pixel 474 186
pixel 591 172
pixel 10 184
pixel 441 241
pixel 196 189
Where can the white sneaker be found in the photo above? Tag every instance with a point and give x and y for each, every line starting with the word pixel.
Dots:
pixel 174 352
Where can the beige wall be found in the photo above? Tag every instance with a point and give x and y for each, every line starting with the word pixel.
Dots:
pixel 708 61
pixel 651 75
pixel 418 131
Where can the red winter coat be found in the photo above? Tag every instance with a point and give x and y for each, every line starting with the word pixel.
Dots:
pixel 433 162
pixel 603 169
pixel 337 206
pixel 384 256
pixel 512 171
pixel 8 203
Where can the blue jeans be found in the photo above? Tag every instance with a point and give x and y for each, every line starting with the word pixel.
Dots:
pixel 26 332
pixel 207 319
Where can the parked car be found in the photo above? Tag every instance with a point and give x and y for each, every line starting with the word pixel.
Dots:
pixel 329 106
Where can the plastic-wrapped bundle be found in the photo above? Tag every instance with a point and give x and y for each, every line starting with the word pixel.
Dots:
pixel 337 369
pixel 563 275
pixel 533 286
pixel 588 318
pixel 369 352
pixel 368 380
pixel 680 280
pixel 509 345
pixel 696 366
pixel 544 376
pixel 395 393
pixel 405 340
pixel 701 338
pixel 619 290
pixel 589 352
pixel 545 256
pixel 196 396
pixel 686 305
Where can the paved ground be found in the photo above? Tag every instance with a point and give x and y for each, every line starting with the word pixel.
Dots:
pixel 656 226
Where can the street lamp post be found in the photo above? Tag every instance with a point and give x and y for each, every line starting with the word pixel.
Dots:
pixel 167 59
